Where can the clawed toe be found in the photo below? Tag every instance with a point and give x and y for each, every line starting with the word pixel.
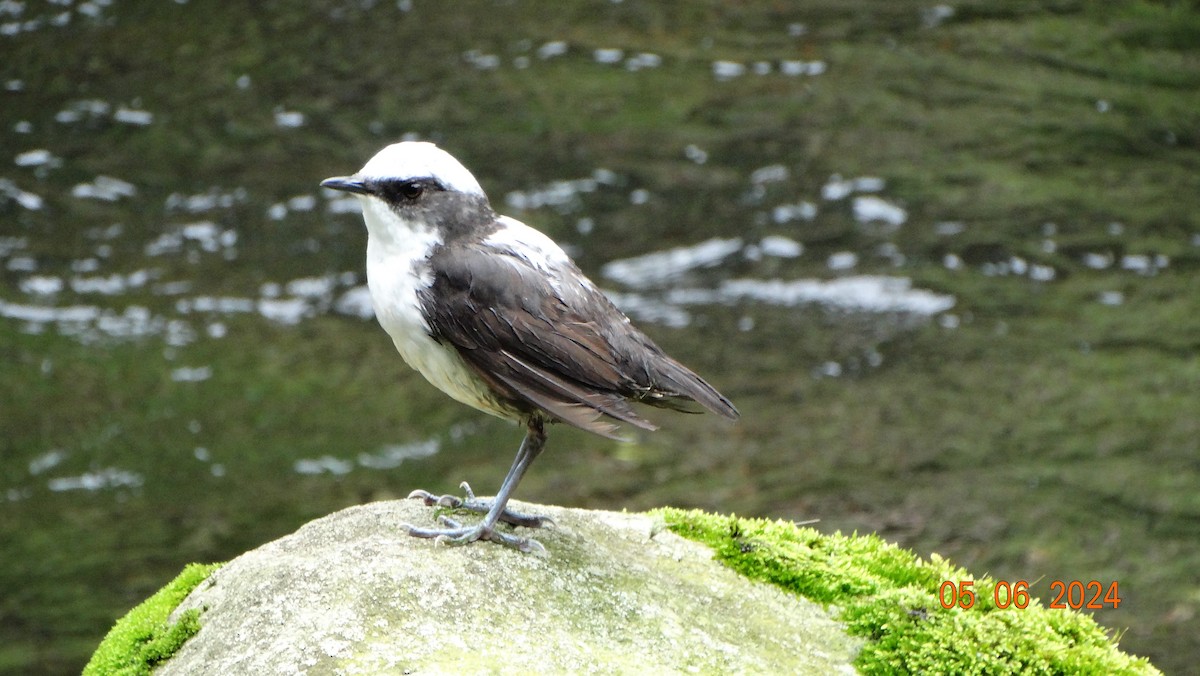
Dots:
pixel 455 534
pixel 431 500
pixel 480 506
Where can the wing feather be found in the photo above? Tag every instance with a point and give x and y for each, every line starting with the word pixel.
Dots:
pixel 542 335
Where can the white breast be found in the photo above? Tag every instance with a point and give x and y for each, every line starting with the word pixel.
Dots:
pixel 395 274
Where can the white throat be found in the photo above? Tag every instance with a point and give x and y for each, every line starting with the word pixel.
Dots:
pixel 397 251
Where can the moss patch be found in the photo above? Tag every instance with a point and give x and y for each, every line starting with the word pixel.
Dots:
pixel 890 596
pixel 145 637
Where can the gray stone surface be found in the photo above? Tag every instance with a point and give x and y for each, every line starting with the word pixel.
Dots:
pixel 351 593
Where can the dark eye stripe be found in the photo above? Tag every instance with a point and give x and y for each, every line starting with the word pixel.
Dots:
pixel 399 191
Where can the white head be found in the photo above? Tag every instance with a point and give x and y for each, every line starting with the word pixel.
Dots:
pixel 411 160
pixel 414 194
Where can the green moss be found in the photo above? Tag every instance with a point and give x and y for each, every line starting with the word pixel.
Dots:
pixel 890 596
pixel 145 637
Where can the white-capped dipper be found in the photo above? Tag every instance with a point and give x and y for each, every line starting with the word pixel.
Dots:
pixel 496 315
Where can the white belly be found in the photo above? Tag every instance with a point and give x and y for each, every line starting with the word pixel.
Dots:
pixel 442 367
pixel 394 285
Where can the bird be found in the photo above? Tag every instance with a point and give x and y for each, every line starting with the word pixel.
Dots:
pixel 496 315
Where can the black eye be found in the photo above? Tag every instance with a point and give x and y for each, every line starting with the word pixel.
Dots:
pixel 410 190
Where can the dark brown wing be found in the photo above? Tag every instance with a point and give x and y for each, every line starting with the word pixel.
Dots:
pixel 548 340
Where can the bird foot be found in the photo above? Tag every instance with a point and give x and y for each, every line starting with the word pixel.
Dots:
pixel 481 506
pixel 455 534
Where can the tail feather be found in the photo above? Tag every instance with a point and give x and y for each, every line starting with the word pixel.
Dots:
pixel 674 381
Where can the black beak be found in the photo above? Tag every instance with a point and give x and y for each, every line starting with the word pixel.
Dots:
pixel 347 184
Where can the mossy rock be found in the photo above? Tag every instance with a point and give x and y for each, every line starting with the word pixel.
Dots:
pixel 146 636
pixel 892 596
pixel 351 594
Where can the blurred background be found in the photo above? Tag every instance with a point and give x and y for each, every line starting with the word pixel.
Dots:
pixel 943 257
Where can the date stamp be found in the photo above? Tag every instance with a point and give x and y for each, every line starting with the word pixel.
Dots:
pixel 1073 594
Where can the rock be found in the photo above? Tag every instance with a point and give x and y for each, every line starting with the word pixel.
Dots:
pixel 351 593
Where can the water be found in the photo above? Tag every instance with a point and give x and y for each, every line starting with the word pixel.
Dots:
pixel 192 365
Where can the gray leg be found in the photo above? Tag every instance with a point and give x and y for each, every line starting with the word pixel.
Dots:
pixel 457 534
